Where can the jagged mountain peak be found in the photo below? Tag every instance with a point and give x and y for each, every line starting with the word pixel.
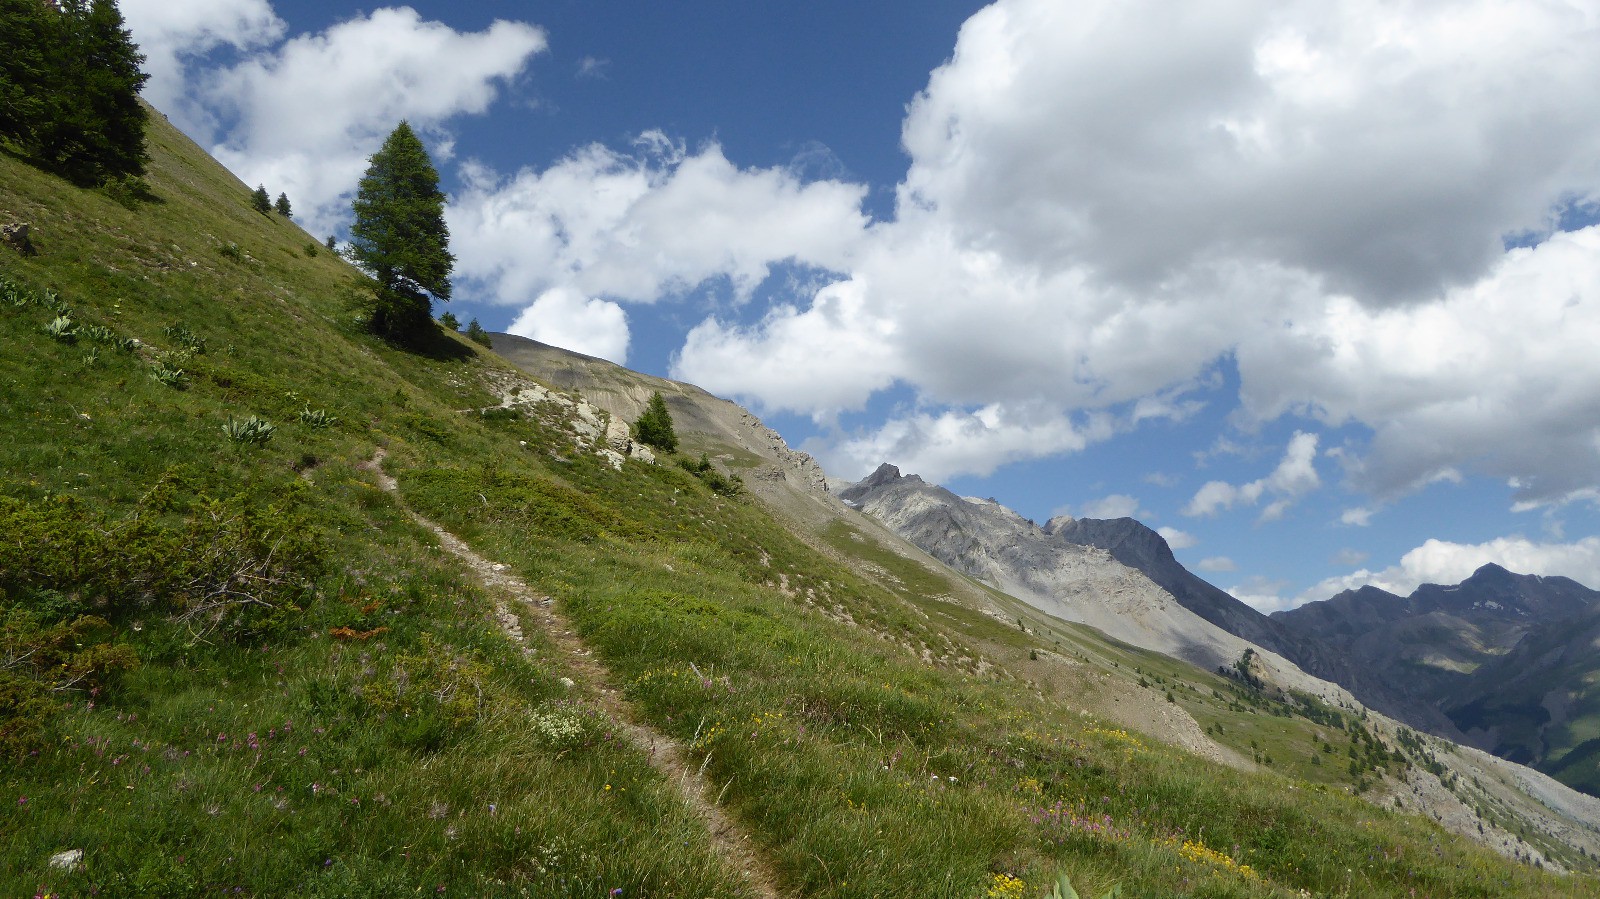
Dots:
pixel 886 475
pixel 1490 571
pixel 1060 521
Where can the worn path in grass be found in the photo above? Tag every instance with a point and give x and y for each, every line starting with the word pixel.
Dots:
pixel 666 754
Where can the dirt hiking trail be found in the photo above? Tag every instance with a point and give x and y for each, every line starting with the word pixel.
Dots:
pixel 666 755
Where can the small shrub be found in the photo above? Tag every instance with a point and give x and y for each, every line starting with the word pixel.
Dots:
pixel 186 339
pixel 230 250
pixel 52 301
pixel 47 658
pixel 312 249
pixel 724 485
pixel 449 320
pixel 251 430
pixel 62 329
pixel 317 418
pixel 166 373
pixel 654 427
pixel 559 728
pixel 14 295
pixel 98 333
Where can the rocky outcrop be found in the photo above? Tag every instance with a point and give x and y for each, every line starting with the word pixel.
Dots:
pixel 723 430
pixel 15 236
pixel 592 428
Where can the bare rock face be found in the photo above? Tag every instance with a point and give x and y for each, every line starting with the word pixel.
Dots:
pixel 1077 582
pixel 592 428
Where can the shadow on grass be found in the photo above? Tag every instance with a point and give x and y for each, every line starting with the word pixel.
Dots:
pixel 431 342
pixel 404 322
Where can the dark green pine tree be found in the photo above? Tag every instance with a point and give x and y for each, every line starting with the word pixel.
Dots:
pixel 26 38
pixel 654 427
pixel 89 122
pixel 283 205
pixel 399 235
pixel 260 200
pixel 111 86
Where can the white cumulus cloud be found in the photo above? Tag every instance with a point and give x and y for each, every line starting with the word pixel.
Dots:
pixel 939 446
pixel 174 34
pixel 1295 476
pixel 1106 198
pixel 1178 539
pixel 1117 505
pixel 1490 377
pixel 643 225
pixel 565 318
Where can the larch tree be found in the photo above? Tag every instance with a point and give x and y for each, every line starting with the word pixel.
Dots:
pixel 654 427
pixel 283 205
pixel 260 200
pixel 399 235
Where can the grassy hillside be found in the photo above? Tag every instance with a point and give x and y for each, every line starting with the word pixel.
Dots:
pixel 242 667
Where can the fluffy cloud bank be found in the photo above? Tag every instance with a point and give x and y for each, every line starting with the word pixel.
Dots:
pixel 174 34
pixel 643 225
pixel 1444 562
pixel 1105 199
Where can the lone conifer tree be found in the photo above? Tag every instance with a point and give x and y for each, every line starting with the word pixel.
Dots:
pixel 259 201
pixel 400 236
pixel 654 427
pixel 283 205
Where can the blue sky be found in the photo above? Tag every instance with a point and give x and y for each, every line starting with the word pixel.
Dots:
pixel 1313 288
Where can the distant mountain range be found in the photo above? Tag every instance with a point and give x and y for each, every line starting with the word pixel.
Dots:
pixel 1506 662
pixel 1510 659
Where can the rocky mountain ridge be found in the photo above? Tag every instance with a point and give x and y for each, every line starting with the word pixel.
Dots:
pixel 1075 581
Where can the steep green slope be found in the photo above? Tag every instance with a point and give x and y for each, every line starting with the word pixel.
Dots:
pixel 276 682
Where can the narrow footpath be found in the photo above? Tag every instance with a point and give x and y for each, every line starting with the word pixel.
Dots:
pixel 666 754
